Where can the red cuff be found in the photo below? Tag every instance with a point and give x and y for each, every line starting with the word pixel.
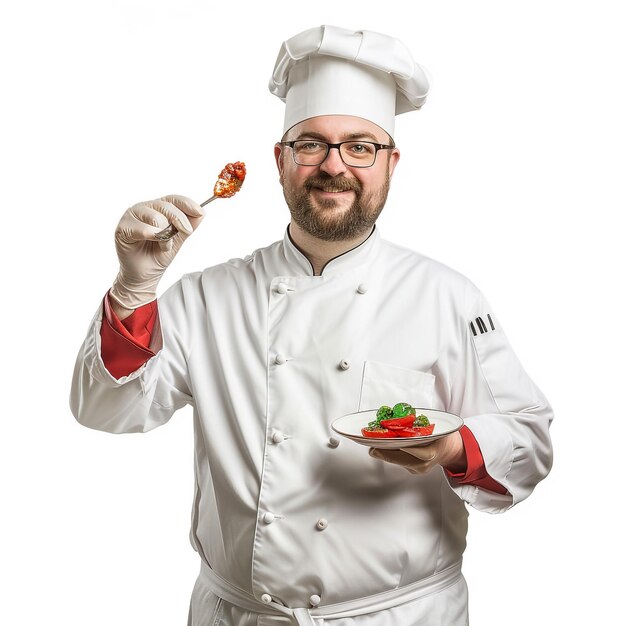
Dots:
pixel 476 473
pixel 125 343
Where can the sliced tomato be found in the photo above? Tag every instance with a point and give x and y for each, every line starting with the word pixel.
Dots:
pixel 398 422
pixel 425 430
pixel 417 431
pixel 379 433
pixel 409 431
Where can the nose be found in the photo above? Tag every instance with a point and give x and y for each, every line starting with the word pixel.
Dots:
pixel 333 164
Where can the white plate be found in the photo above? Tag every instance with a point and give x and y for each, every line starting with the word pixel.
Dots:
pixel 350 426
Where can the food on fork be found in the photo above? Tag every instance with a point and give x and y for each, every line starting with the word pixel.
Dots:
pixel 230 180
pixel 228 184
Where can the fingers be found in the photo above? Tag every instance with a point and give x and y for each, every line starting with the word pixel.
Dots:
pixel 139 223
pixel 397 457
pixel 173 214
pixel 423 453
pixel 144 220
pixel 165 246
pixel 407 458
pixel 188 206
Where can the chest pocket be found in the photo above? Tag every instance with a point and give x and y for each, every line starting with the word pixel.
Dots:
pixel 388 384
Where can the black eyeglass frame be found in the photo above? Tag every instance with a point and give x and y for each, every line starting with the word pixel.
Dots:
pixel 330 146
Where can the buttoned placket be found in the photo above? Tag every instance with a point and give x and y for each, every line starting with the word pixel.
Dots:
pixel 285 292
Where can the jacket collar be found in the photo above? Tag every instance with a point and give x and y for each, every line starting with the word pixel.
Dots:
pixel 345 261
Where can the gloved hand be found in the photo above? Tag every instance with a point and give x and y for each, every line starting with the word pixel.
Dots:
pixel 448 452
pixel 143 259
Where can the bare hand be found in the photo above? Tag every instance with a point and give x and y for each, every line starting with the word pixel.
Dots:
pixel 448 452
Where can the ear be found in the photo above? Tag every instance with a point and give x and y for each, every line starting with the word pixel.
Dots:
pixel 394 157
pixel 278 152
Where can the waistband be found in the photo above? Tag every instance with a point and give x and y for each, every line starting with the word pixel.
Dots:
pixel 303 616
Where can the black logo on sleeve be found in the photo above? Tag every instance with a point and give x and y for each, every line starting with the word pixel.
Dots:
pixel 479 324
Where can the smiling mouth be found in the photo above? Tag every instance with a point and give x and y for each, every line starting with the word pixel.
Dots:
pixel 332 190
pixel 330 186
pixel 334 198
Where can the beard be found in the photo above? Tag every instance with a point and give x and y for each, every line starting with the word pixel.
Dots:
pixel 323 219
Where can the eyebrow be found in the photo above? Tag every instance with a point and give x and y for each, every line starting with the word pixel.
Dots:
pixel 346 137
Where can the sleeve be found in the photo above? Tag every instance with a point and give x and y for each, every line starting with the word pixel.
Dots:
pixel 476 473
pixel 505 411
pixel 140 400
pixel 127 344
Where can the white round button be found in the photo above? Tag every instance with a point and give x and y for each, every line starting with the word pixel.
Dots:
pixel 279 359
pixel 315 600
pixel 282 288
pixel 268 517
pixel 266 598
pixel 344 365
pixel 362 288
pixel 333 442
pixel 322 524
pixel 278 437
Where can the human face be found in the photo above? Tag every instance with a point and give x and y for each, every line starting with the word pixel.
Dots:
pixel 333 201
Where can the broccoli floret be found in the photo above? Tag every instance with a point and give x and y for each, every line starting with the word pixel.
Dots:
pixel 384 413
pixel 421 420
pixel 402 409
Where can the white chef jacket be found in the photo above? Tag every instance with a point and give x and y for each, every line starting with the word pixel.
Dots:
pixel 268 355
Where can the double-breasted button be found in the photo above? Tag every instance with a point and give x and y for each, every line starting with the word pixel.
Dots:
pixel 278 437
pixel 315 600
pixel 344 365
pixel 362 288
pixel 322 524
pixel 280 359
pixel 266 598
pixel 282 288
pixel 333 442
pixel 268 518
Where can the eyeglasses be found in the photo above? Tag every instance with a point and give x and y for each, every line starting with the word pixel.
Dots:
pixel 353 153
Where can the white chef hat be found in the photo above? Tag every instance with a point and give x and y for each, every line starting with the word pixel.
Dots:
pixel 329 70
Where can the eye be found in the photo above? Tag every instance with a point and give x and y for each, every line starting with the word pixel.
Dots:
pixel 360 148
pixel 309 146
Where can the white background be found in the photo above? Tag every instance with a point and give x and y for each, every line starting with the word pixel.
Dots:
pixel 512 173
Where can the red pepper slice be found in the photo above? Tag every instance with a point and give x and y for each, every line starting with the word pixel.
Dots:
pixel 398 422
pixel 378 433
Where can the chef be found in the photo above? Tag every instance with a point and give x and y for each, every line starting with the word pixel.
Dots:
pixel 292 524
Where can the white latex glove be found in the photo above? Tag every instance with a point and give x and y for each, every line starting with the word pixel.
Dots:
pixel 448 452
pixel 143 259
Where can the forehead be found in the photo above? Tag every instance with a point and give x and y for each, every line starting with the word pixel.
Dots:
pixel 337 128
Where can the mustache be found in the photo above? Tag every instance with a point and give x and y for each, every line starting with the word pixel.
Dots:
pixel 332 183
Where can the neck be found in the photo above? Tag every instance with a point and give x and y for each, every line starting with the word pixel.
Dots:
pixel 318 251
